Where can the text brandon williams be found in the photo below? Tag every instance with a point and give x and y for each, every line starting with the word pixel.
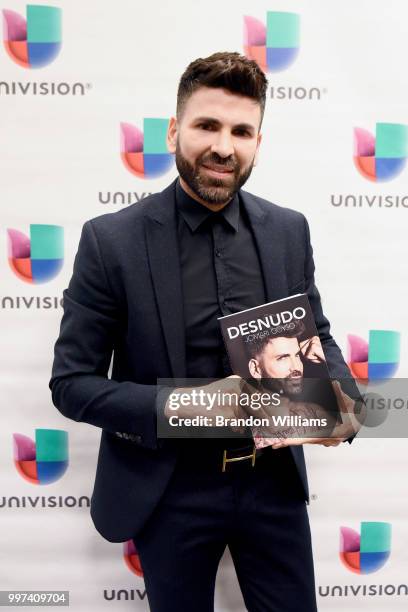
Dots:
pixel 250 421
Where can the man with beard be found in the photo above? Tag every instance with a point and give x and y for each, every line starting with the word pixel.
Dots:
pixel 278 357
pixel 285 358
pixel 148 285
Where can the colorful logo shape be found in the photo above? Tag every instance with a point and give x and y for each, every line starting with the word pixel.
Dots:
pixel 383 156
pixel 368 552
pixel 39 258
pixel 376 359
pixel 145 154
pixel 275 46
pixel 36 41
pixel 43 461
pixel 132 558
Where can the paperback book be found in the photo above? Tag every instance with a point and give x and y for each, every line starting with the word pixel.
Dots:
pixel 276 349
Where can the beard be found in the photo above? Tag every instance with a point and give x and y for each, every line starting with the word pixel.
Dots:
pixel 210 189
pixel 291 386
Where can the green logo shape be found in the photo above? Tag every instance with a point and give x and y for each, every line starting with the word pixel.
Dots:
pixel 391 140
pixel 282 30
pixel 375 537
pixel 44 24
pixel 384 346
pixel 155 132
pixel 51 445
pixel 47 241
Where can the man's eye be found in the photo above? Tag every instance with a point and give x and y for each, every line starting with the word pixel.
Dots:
pixel 242 133
pixel 206 126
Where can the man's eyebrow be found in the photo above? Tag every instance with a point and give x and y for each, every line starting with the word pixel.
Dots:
pixel 246 126
pixel 212 119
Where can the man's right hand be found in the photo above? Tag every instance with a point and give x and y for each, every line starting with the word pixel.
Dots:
pixel 227 392
pixel 230 387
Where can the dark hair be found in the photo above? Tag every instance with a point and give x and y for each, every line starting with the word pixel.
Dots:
pixel 256 348
pixel 226 70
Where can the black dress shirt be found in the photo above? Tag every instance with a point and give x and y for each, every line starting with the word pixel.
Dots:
pixel 221 274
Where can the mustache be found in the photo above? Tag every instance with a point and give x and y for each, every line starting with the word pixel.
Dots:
pixel 229 163
pixel 295 374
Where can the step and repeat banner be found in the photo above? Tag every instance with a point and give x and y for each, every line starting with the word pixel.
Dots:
pixel 86 91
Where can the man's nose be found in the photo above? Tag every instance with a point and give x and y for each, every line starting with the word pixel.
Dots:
pixel 295 364
pixel 222 144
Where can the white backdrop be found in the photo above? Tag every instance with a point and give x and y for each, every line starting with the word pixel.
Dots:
pixel 60 160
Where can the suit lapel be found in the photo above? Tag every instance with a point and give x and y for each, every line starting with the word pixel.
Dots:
pixel 268 238
pixel 163 254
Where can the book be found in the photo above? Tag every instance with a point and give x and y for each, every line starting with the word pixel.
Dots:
pixel 276 348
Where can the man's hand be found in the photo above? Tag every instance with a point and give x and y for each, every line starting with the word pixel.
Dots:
pixel 232 386
pixel 231 390
pixel 312 349
pixel 353 413
pixel 349 426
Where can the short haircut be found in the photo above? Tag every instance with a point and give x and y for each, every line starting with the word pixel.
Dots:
pixel 256 348
pixel 231 71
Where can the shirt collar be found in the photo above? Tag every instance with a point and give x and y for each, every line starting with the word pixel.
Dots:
pixel 194 213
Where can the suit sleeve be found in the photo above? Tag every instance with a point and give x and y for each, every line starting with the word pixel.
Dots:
pixel 81 389
pixel 338 368
pixel 335 362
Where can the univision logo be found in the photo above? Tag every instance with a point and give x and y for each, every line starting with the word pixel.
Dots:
pixel 39 258
pixel 376 359
pixel 43 461
pixel 145 154
pixel 383 156
pixel 132 558
pixel 275 46
pixel 36 41
pixel 368 552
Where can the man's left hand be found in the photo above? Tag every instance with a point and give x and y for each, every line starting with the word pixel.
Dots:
pixel 349 426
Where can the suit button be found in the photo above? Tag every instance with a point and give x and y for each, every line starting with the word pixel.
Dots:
pixel 218 253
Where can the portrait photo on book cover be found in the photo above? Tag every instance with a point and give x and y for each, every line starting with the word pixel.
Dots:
pixel 275 348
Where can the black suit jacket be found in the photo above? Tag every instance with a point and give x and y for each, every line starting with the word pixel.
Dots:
pixel 125 297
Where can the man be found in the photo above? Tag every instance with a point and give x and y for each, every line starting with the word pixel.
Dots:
pixel 280 357
pixel 148 285
pixel 287 357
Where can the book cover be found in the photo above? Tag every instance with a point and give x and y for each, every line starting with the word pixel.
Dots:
pixel 276 348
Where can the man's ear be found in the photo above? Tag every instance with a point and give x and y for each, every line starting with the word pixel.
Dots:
pixel 259 140
pixel 171 139
pixel 254 369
